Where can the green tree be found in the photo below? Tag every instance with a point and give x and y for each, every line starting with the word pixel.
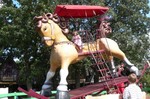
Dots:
pixel 130 27
pixel 19 39
pixel 146 80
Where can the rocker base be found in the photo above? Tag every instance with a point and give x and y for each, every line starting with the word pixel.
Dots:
pixel 62 95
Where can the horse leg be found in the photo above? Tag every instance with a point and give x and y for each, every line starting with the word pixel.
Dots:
pixel 112 63
pixel 127 61
pixel 63 80
pixel 112 67
pixel 119 54
pixel 47 86
pixel 131 66
pixel 62 89
pixel 112 47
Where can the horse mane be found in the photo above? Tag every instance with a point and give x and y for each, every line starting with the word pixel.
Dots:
pixel 55 18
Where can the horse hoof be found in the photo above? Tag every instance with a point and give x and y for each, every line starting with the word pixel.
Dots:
pixel 135 70
pixel 62 88
pixel 114 75
pixel 46 92
pixel 62 95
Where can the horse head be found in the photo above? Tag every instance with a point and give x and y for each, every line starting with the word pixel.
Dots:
pixel 47 27
pixel 44 26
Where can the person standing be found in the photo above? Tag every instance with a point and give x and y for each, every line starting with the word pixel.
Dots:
pixel 132 91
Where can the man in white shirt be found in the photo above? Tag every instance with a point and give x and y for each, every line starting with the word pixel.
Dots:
pixel 133 91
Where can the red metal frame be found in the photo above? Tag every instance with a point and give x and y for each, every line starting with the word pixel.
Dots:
pixel 80 11
pixel 80 93
pixel 33 93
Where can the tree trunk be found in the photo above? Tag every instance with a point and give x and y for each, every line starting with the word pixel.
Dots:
pixel 29 84
pixel 77 78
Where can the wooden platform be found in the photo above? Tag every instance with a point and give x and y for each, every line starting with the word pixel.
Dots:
pixel 80 93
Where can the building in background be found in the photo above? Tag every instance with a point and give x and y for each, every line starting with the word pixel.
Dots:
pixel 8 72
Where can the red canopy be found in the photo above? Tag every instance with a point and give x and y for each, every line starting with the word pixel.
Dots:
pixel 79 11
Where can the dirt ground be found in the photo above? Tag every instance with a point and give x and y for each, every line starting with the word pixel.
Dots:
pixel 97 97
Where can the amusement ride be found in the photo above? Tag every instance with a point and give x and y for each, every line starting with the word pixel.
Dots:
pixel 53 29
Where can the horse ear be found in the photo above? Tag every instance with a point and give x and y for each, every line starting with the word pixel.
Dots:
pixel 49 15
pixel 56 19
pixel 105 18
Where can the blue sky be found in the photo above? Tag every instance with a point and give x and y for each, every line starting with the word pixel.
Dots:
pixel 149 12
pixel 16 2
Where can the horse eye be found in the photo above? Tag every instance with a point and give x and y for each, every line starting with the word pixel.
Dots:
pixel 44 28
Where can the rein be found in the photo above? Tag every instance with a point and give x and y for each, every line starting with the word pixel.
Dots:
pixel 51 39
pixel 64 42
pixel 47 39
pixel 52 33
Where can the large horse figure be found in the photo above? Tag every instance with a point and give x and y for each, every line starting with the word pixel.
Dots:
pixel 64 53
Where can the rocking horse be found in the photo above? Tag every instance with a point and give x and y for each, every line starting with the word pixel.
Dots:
pixel 64 53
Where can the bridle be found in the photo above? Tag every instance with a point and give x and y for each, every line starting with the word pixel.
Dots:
pixel 52 38
pixel 52 33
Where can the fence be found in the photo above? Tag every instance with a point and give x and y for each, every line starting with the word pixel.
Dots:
pixel 15 95
pixel 146 89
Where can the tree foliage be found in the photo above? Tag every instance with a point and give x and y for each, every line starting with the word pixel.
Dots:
pixel 130 27
pixel 146 80
pixel 19 39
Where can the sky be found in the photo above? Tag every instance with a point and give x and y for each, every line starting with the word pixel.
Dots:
pixel 16 2
pixel 149 12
